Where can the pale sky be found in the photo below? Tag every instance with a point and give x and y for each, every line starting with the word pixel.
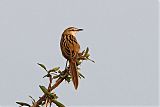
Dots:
pixel 122 36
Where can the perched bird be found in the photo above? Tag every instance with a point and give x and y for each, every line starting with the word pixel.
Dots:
pixel 70 49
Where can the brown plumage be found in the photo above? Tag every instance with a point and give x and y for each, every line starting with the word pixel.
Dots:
pixel 70 49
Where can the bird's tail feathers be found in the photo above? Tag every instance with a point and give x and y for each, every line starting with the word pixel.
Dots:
pixel 74 73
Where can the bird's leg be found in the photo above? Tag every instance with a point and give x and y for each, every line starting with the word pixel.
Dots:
pixel 66 64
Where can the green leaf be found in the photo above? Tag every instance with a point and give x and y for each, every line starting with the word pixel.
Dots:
pixel 81 75
pixel 91 60
pixel 54 69
pixel 57 103
pixel 48 75
pixel 83 52
pixel 56 76
pixel 41 65
pixel 87 55
pixel 33 100
pixel 68 79
pixel 23 104
pixel 59 71
pixel 44 89
pixel 53 96
pixel 79 62
pixel 87 50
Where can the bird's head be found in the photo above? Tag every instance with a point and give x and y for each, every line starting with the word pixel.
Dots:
pixel 72 30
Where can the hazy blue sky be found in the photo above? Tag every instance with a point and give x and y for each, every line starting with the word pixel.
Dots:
pixel 122 36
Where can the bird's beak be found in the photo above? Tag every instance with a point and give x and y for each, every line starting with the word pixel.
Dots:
pixel 80 30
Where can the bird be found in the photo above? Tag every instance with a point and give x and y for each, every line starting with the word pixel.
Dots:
pixel 70 49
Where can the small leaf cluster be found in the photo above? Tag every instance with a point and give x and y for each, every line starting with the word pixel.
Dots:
pixel 53 73
pixel 51 96
pixel 84 55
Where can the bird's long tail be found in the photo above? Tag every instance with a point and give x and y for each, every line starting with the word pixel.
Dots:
pixel 74 73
